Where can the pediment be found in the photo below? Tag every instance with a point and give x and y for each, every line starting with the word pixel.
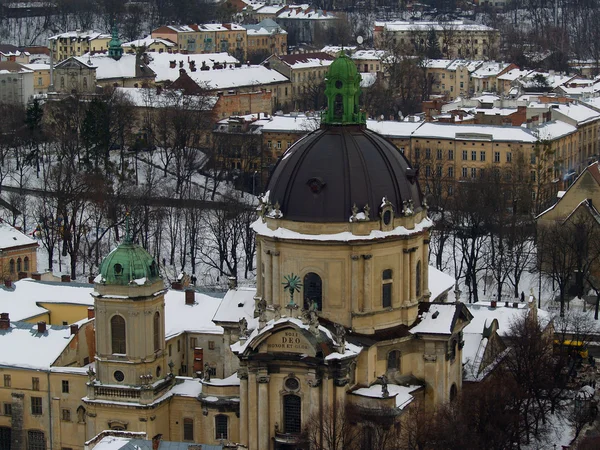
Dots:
pixel 287 340
pixel 72 63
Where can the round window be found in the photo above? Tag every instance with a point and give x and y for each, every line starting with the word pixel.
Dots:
pixel 119 376
pixel 387 217
pixel 338 84
pixel 292 384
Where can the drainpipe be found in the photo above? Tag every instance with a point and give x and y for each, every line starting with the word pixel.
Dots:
pixel 50 433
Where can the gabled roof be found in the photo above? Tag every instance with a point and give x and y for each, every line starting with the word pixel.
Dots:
pixel 10 237
pixel 301 60
pixel 440 318
pixel 75 63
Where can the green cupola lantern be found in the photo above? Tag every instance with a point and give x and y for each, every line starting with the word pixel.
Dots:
pixel 115 50
pixel 342 89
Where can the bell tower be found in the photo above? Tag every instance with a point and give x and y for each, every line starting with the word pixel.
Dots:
pixel 130 327
pixel 342 89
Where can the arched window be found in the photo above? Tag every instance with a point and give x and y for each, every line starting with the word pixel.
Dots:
pixel 418 279
pixel 85 82
pixel 453 392
pixel 338 107
pixel 221 426
pixel 62 82
pixel 386 290
pixel 19 265
pixel 11 266
pixel 118 335
pixel 368 439
pixel 393 360
pixel 156 331
pixel 26 264
pixel 313 291
pixel 292 414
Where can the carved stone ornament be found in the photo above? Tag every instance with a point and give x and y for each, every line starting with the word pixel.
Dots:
pixel 243 373
pixel 429 358
pixel 263 378
pixel 243 324
pixel 314 382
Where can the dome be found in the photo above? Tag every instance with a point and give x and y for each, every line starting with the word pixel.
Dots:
pixel 127 264
pixel 324 175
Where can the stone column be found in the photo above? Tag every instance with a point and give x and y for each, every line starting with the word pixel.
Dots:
pixel 263 412
pixel 413 278
pixel 17 435
pixel 425 268
pixel 243 375
pixel 276 279
pixel 252 419
pixel 268 288
pixel 368 305
pixel 259 256
pixel 355 301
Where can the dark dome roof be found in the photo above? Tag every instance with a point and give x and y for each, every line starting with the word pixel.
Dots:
pixel 322 176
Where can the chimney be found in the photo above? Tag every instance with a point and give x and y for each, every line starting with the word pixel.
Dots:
pixel 8 283
pixel 181 63
pixel 65 278
pixel 515 304
pixel 232 282
pixel 172 64
pixel 22 275
pixel 190 296
pixel 158 90
pixel 36 276
pixel 4 321
pixel 181 71
pixel 41 327
pixel 91 312
pixel 156 441
pixel 74 329
pixel 493 303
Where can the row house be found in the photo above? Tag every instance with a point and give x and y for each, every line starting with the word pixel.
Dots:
pixel 77 43
pixel 266 38
pixel 456 39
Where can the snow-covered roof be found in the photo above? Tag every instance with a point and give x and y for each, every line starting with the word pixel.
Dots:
pixel 334 50
pixel 262 229
pixel 149 98
pixel 11 237
pixel 439 282
pixel 437 320
pixel 22 345
pixel 307 60
pixel 437 63
pixel 82 35
pixel 579 112
pixel 489 69
pixel 513 74
pixel 231 380
pixel 484 314
pixel 300 13
pixel 269 9
pixel 109 68
pixel 368 54
pixel 394 129
pixel 469 64
pixel 454 25
pixel 474 132
pixel 22 302
pixel 160 63
pixel 148 41
pixel 298 123
pixel 367 79
pixel 237 304
pixel 265 27
pixel 553 130
pixel 401 394
pixel 231 78
pixel 37 66
pixel 196 318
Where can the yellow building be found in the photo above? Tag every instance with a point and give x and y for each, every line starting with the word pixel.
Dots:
pixel 456 39
pixel 150 44
pixel 41 77
pixel 77 43
pixel 266 38
pixel 18 253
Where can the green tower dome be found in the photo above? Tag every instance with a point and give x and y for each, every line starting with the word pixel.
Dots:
pixel 342 89
pixel 128 264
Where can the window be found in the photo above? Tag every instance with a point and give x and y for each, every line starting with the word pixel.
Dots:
pixel 427 171
pixel 508 157
pixel 6 380
pixel 170 349
pixel 178 346
pixel 292 414
pixel 473 155
pixel 497 157
pixel 157 331
pixel 118 336
pixel 464 172
pixel 221 422
pixel 386 290
pixel 269 144
pixel 66 415
pixel 473 172
pixel 36 406
pixel 482 156
pixel 418 279
pixel 39 81
pixel 193 343
pixel 450 155
pixel 417 153
pixel 36 440
pixel 188 429
pixel 533 175
pixel 278 145
pixel 65 386
pixel 450 172
pixel 35 383
pixel 533 158
pixel 453 392
pixel 393 360
pixel 464 155
pixel 211 345
pixel 26 264
pixel 313 291
pixel 427 153
pixel 8 409
pixel 11 266
pixel 438 171
pixel 85 83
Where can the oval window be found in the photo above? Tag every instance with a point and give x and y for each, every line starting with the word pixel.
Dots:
pixel 119 376
pixel 387 217
pixel 292 384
